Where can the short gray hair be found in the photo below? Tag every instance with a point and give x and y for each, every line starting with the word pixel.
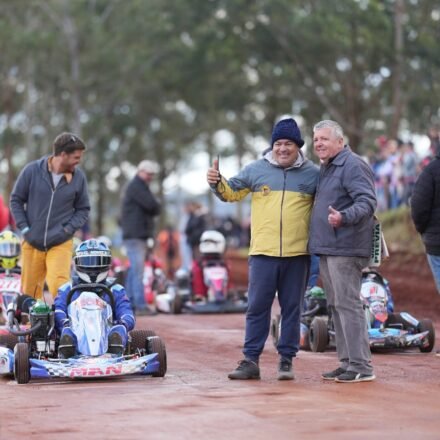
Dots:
pixel 334 126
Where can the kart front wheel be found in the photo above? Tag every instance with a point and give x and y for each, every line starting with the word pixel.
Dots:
pixel 139 339
pixel 156 345
pixel 426 325
pixel 22 372
pixel 318 335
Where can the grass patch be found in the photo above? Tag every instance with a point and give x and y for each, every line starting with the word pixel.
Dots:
pixel 399 231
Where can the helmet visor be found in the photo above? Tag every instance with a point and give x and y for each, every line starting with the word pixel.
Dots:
pixel 93 261
pixel 9 249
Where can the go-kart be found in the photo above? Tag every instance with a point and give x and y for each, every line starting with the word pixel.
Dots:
pixel 315 306
pixel 154 280
pixel 35 355
pixel 386 328
pixel 219 299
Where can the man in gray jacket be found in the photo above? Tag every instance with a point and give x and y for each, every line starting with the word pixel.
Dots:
pixel 49 204
pixel 341 233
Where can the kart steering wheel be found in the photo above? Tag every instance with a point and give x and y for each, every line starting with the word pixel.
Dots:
pixel 93 287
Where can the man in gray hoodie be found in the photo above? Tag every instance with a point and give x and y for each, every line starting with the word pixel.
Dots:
pixel 341 231
pixel 49 203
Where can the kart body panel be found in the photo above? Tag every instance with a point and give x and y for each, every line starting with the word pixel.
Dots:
pixel 86 367
pixel 10 288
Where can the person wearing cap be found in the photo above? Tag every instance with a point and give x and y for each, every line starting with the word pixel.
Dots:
pixel 282 185
pixel 139 208
pixel 341 233
pixel 49 203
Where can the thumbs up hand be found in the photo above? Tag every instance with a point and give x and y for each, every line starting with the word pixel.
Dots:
pixel 213 175
pixel 334 217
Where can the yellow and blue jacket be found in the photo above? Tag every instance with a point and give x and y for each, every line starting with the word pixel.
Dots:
pixel 281 205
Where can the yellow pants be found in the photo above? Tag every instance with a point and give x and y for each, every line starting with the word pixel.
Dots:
pixel 52 266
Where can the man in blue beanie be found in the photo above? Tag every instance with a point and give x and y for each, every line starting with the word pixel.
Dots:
pixel 282 185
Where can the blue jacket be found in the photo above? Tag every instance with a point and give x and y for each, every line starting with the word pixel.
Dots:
pixel 52 214
pixel 123 311
pixel 347 184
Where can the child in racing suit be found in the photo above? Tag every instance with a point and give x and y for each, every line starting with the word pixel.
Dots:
pixel 92 261
pixel 212 247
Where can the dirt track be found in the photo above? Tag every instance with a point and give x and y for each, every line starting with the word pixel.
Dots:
pixel 196 400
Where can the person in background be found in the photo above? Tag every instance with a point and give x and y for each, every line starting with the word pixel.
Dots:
pixel 138 211
pixel 341 232
pixel 282 184
pixel 4 214
pixel 425 212
pixel 49 203
pixel 211 254
pixel 314 271
pixel 410 164
pixel 195 225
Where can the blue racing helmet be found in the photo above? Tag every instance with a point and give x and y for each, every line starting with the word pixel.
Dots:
pixel 92 261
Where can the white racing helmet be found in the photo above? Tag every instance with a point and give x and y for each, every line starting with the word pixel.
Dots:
pixel 212 242
pixel 106 240
pixel 92 261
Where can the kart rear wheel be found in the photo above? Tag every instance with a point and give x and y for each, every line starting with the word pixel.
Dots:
pixel 426 325
pixel 8 341
pixel 139 339
pixel 275 330
pixel 318 335
pixel 156 345
pixel 176 304
pixel 22 371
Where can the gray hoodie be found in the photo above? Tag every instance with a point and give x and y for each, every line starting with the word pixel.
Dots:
pixel 53 215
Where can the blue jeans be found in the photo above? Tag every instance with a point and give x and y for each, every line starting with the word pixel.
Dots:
pixel 434 263
pixel 136 253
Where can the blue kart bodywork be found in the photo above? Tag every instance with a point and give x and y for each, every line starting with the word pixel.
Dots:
pixel 34 353
pixel 84 367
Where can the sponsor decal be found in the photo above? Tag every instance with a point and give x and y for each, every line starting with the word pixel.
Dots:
pixel 110 370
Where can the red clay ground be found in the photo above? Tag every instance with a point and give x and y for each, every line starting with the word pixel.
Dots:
pixel 196 400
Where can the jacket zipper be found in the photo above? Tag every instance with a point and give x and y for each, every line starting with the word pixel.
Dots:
pixel 281 213
pixel 47 219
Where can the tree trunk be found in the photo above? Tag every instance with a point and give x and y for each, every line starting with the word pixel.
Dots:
pixel 397 71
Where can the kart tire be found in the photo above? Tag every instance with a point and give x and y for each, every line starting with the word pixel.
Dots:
pixel 176 304
pixel 8 341
pixel 275 329
pixel 318 335
pixel 22 371
pixel 426 325
pixel 156 345
pixel 139 339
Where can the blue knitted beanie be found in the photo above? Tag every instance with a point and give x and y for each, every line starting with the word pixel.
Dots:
pixel 287 129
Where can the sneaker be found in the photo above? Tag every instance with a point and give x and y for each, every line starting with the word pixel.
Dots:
pixel 66 347
pixel 246 370
pixel 115 345
pixel 353 377
pixel 332 375
pixel 285 371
